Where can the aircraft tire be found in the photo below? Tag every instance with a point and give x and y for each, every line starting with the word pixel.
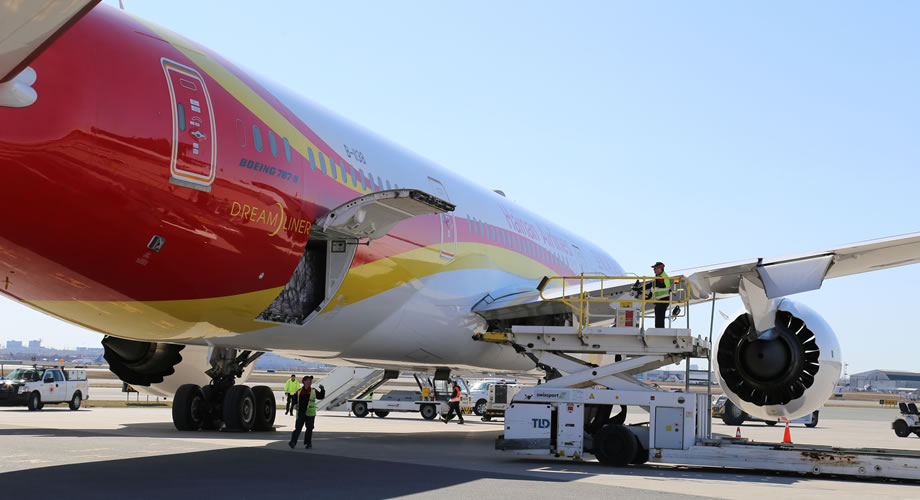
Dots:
pixel 239 409
pixel 615 445
pixel 211 414
pixel 814 420
pixel 901 429
pixel 359 408
pixel 187 408
pixel 34 402
pixel 76 401
pixel 265 408
pixel 732 415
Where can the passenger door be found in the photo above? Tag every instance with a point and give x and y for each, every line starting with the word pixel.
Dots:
pixel 448 224
pixel 194 152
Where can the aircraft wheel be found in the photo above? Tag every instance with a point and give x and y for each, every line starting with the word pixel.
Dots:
pixel 381 413
pixel 35 401
pixel 76 401
pixel 265 408
pixel 359 408
pixel 480 407
pixel 901 428
pixel 429 412
pixel 615 445
pixel 211 414
pixel 732 415
pixel 814 420
pixel 771 423
pixel 188 406
pixel 239 409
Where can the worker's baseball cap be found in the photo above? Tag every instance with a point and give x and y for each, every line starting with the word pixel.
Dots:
pixel 658 264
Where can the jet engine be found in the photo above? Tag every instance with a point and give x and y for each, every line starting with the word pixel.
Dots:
pixel 787 371
pixel 158 368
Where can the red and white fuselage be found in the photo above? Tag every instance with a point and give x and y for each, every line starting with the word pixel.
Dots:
pixel 155 191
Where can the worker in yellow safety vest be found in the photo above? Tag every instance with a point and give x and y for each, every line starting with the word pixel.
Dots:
pixel 290 389
pixel 306 411
pixel 661 290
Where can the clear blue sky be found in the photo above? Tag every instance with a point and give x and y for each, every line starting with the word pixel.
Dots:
pixel 766 128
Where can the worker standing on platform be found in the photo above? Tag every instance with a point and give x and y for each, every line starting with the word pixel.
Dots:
pixel 661 290
pixel 454 404
pixel 290 389
pixel 306 411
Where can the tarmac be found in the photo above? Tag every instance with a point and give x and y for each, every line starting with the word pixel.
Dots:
pixel 136 452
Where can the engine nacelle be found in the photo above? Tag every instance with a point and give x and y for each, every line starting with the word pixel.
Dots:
pixel 157 368
pixel 789 371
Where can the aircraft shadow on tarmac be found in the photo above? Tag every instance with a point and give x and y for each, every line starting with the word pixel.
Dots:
pixel 372 464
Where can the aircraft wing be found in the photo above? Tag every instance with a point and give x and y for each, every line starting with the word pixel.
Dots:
pixel 27 27
pixel 778 276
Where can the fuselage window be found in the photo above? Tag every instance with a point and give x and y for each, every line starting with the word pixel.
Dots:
pixel 273 143
pixel 379 184
pixel 312 160
pixel 361 175
pixel 181 110
pixel 322 162
pixel 478 227
pixel 470 221
pixel 256 138
pixel 354 178
pixel 287 148
pixel 334 167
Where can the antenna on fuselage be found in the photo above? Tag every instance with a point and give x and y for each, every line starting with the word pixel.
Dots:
pixel 121 4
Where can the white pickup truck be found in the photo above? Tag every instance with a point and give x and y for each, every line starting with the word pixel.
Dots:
pixel 35 386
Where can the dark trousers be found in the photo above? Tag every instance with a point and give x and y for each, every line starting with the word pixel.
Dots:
pixel 660 311
pixel 454 406
pixel 301 421
pixel 291 405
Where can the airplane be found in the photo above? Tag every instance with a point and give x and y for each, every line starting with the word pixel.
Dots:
pixel 214 215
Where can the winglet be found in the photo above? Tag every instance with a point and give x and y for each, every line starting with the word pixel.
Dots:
pixel 27 28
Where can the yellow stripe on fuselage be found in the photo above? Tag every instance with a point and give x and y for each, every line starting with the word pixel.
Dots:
pixel 175 320
pixel 164 320
pixel 376 277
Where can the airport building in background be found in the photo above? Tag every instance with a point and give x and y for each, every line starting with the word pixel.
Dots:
pixel 885 380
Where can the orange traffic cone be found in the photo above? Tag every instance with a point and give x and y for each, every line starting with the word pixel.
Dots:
pixel 738 432
pixel 787 438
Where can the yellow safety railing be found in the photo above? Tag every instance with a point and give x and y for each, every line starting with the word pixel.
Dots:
pixel 574 294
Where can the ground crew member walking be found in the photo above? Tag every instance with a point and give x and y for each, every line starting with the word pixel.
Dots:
pixel 290 389
pixel 661 290
pixel 306 411
pixel 454 404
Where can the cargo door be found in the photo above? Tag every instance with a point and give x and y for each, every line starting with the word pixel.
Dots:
pixel 194 149
pixel 448 223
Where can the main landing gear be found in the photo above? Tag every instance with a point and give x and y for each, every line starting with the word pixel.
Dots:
pixel 221 404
